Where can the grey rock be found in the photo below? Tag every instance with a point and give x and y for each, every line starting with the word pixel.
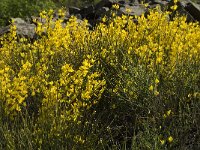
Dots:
pixel 18 20
pixel 193 9
pixel 73 10
pixel 41 20
pixel 23 29
pixel 183 12
pixel 134 2
pixel 4 30
pixel 122 2
pixel 102 11
pixel 160 2
pixel 78 16
pixel 188 9
pixel 88 12
pixel 56 15
pixel 137 10
pixel 105 3
pixel 26 30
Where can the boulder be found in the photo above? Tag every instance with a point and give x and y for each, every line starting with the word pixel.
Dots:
pixel 88 12
pixel 4 30
pixel 183 12
pixel 102 12
pixel 23 29
pixel 137 10
pixel 26 30
pixel 73 10
pixel 193 9
pixel 18 20
pixel 160 2
pixel 105 3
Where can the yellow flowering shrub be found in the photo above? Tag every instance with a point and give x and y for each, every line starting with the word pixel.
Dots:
pixel 50 66
pixel 152 65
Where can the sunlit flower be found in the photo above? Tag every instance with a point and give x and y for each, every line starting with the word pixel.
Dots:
pixel 157 81
pixel 168 112
pixel 170 139
pixel 115 6
pixel 162 142
pixel 151 88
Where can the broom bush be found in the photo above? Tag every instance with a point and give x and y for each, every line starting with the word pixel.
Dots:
pixel 121 85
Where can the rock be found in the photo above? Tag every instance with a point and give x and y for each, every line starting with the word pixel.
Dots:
pixel 56 15
pixel 23 29
pixel 18 20
pixel 188 9
pixel 122 2
pixel 41 20
pixel 193 9
pixel 26 30
pixel 134 1
pixel 160 2
pixel 183 12
pixel 88 12
pixel 137 10
pixel 73 10
pixel 102 12
pixel 78 16
pixel 4 30
pixel 105 3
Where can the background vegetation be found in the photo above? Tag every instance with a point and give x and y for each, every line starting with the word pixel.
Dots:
pixel 27 8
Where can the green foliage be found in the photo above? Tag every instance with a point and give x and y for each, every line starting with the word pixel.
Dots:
pixel 28 8
pixel 119 86
pixel 22 8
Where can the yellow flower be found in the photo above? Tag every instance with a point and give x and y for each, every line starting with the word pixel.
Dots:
pixel 146 5
pixel 164 116
pixel 128 10
pixel 151 88
pixel 115 6
pixel 162 142
pixel 156 93
pixel 113 106
pixel 157 81
pixel 175 1
pixel 174 7
pixel 170 139
pixel 168 112
pixel 104 19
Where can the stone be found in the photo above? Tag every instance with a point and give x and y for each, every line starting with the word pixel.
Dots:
pixel 4 30
pixel 102 12
pixel 18 20
pixel 23 29
pixel 56 15
pixel 94 13
pixel 194 10
pixel 26 30
pixel 88 12
pixel 183 12
pixel 41 20
pixel 160 2
pixel 137 10
pixel 105 3
pixel 73 10
pixel 122 2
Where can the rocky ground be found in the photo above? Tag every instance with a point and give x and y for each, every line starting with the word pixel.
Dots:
pixel 94 13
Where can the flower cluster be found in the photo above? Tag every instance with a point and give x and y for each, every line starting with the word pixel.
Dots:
pixel 67 69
